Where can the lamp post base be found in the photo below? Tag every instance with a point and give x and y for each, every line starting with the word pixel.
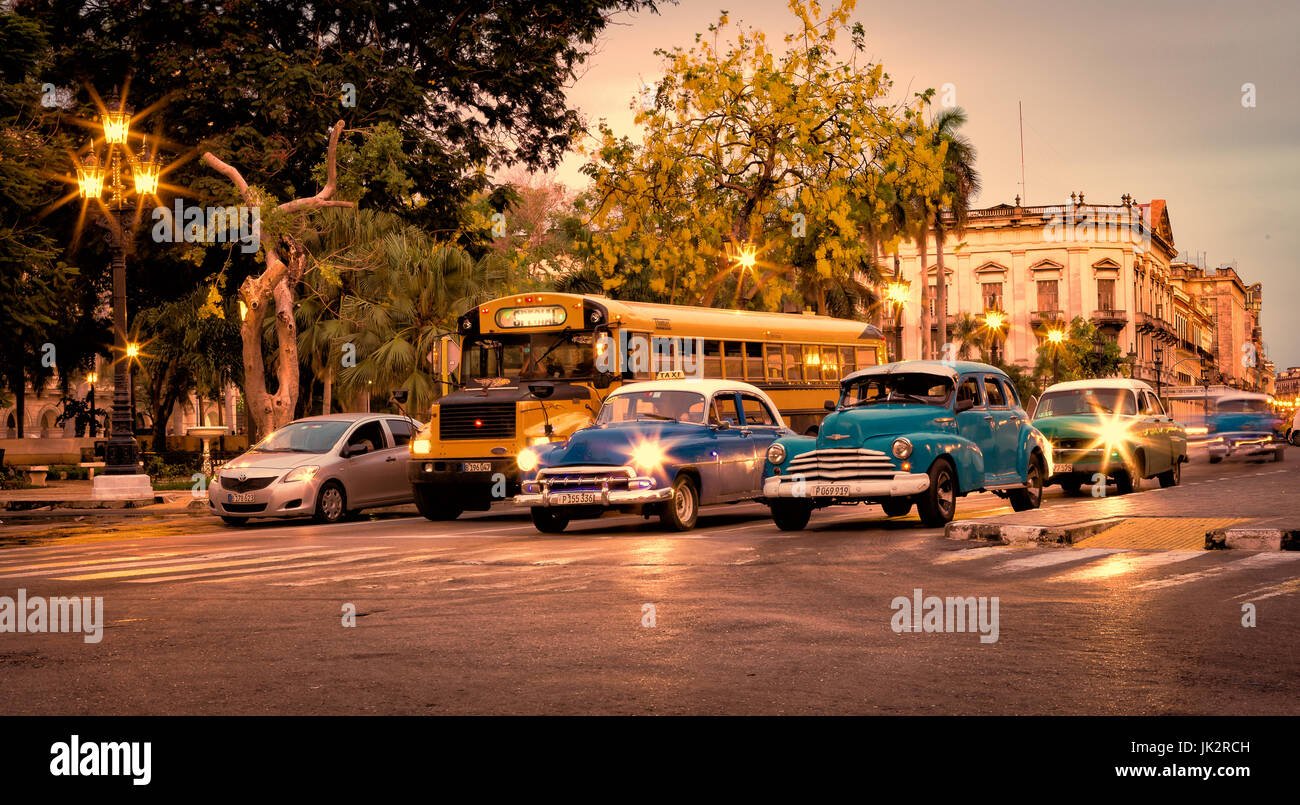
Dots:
pixel 121 487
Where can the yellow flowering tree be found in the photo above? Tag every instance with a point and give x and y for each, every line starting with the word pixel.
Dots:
pixel 763 172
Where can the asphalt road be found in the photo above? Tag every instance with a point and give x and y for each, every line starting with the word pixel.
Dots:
pixel 485 615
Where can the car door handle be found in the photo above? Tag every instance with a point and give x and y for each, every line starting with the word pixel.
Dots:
pixel 988 417
pixel 746 433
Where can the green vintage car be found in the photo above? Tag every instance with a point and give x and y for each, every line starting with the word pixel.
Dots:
pixel 1113 429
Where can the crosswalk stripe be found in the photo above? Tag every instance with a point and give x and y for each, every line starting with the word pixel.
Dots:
pixel 127 561
pixel 156 570
pixel 1053 557
pixel 256 573
pixel 1257 560
pixel 370 573
pixel 1126 562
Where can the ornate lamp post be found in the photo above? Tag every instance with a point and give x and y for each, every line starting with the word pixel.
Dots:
pixel 1055 340
pixel 92 377
pixel 122 476
pixel 994 321
pixel 1160 365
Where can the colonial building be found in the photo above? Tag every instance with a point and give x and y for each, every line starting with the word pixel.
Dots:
pixel 1040 267
pixel 1287 386
pixel 1234 306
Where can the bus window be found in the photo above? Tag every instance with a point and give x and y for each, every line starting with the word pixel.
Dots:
pixel 713 359
pixel 848 365
pixel 866 356
pixel 793 362
pixel 831 364
pixel 636 364
pixel 775 362
pixel 812 363
pixel 753 361
pixel 734 360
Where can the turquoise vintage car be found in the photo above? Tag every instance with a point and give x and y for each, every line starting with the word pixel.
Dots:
pixel 923 432
pixel 1111 428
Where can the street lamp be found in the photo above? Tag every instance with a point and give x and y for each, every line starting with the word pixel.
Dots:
pixel 1055 338
pixel 95 177
pixel 1159 355
pixel 994 321
pixel 92 377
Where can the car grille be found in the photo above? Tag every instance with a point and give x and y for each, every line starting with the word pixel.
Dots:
pixel 477 421
pixel 559 479
pixel 837 464
pixel 244 508
pixel 248 485
pixel 1074 444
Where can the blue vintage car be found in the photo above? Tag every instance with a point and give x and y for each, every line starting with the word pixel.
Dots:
pixel 1244 424
pixel 923 432
pixel 658 447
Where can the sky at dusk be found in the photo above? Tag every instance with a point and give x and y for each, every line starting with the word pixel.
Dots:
pixel 1119 97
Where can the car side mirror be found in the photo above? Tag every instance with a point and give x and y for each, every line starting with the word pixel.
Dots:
pixel 964 405
pixel 829 405
pixel 603 380
pixel 400 396
pixel 355 450
pixel 541 391
pixel 722 424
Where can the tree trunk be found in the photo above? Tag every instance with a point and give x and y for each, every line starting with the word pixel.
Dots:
pixel 922 243
pixel 940 289
pixel 20 403
pixel 327 394
pixel 161 414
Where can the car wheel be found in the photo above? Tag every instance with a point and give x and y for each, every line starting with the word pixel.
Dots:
pixel 680 511
pixel 1294 438
pixel 235 521
pixel 1071 486
pixel 1173 476
pixel 1129 479
pixel 791 515
pixel 1215 459
pixel 896 507
pixel 938 503
pixel 1031 497
pixel 331 503
pixel 434 506
pixel 547 521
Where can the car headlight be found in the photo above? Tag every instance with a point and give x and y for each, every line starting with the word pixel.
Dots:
pixel 902 448
pixel 422 446
pixel 527 460
pixel 300 474
pixel 776 454
pixel 540 440
pixel 647 456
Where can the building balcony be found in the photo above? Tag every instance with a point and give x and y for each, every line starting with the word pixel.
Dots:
pixel 1157 328
pixel 1109 318
pixel 1039 318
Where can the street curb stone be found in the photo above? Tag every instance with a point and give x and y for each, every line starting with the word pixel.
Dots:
pixel 1253 539
pixel 1021 534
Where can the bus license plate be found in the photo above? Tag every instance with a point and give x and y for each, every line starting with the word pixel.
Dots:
pixel 239 497
pixel 1061 469
pixel 573 498
pixel 830 490
pixel 476 466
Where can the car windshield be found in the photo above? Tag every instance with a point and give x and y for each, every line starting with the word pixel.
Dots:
pixel 1243 407
pixel 663 406
pixel 902 387
pixel 1086 401
pixel 535 356
pixel 303 437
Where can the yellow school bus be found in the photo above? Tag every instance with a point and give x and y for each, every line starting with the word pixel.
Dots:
pixel 536 367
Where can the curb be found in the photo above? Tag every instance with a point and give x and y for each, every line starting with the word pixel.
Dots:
pixel 1021 534
pixel 89 504
pixel 1253 539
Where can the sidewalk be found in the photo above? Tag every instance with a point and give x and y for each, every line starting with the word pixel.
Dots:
pixel 1252 512
pixel 76 498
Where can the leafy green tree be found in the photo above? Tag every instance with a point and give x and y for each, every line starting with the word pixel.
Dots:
pixel 1084 353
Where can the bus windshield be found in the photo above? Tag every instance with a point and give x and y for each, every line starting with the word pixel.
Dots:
pixel 1243 406
pixel 533 356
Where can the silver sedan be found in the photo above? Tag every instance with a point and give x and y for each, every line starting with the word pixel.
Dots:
pixel 322 466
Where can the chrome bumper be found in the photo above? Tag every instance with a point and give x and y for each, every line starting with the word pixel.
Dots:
pixel 1244 445
pixel 605 497
pixel 900 485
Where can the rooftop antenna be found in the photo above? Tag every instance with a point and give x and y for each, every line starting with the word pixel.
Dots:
pixel 1024 191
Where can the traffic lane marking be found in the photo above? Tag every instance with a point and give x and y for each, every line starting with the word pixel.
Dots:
pixel 120 562
pixel 1050 557
pixel 253 573
pixel 1126 562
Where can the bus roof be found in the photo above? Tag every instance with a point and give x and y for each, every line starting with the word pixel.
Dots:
pixel 735 324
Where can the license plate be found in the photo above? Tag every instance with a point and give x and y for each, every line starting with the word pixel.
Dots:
pixel 239 497
pixel 476 466
pixel 574 498
pixel 1061 469
pixel 830 490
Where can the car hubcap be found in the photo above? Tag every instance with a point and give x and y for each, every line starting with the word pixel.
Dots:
pixel 1035 482
pixel 946 496
pixel 683 504
pixel 332 504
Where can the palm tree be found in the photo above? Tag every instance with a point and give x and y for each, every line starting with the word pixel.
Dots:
pixel 968 332
pixel 960 182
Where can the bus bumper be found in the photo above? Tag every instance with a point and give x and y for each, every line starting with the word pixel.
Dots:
pixel 475 483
